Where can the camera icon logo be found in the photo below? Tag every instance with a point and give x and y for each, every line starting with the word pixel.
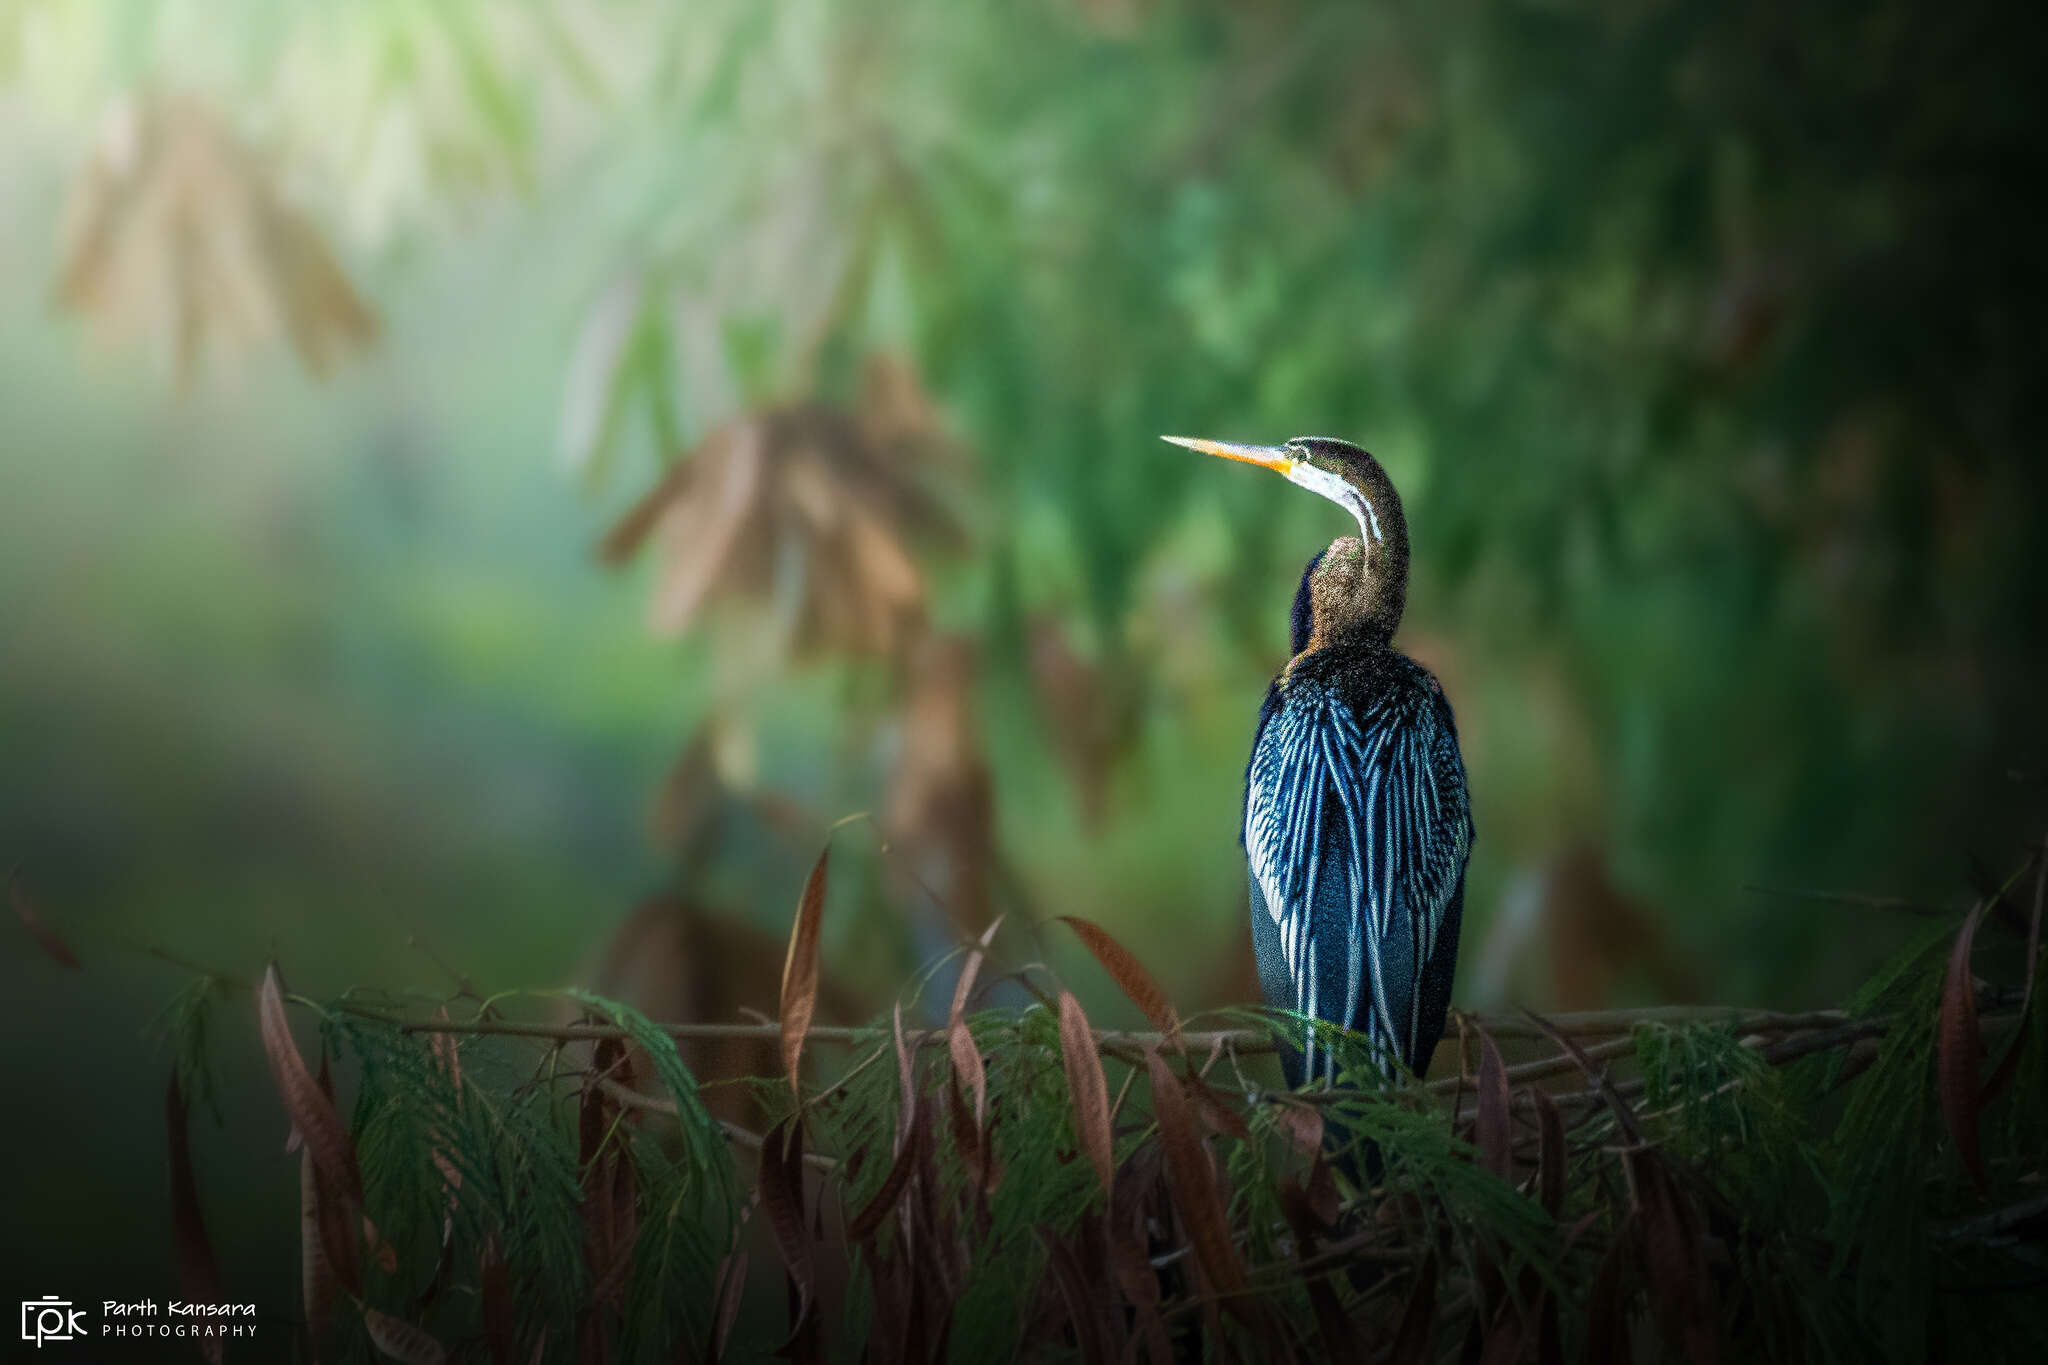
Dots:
pixel 50 1319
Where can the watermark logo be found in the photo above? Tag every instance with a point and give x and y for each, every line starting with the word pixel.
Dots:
pixel 50 1319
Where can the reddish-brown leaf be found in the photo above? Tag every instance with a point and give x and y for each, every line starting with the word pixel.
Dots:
pixel 1219 1115
pixel 48 939
pixel 1302 1124
pixel 800 973
pixel 725 1305
pixel 2008 1065
pixel 494 1295
pixel 310 1111
pixel 611 1224
pixel 1550 1154
pixel 1675 1257
pixel 1416 1335
pixel 906 1080
pixel 401 1340
pixel 1958 1046
pixel 1126 1231
pixel 970 971
pixel 316 1271
pixel 884 1201
pixel 1086 1310
pixel 1129 974
pixel 337 1228
pixel 967 1063
pixel 782 1200
pixel 1494 1124
pixel 1088 1089
pixel 695 536
pixel 968 1140
pixel 380 1250
pixel 198 1275
pixel 1193 1180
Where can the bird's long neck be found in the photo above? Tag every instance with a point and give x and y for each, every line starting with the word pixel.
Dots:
pixel 1357 589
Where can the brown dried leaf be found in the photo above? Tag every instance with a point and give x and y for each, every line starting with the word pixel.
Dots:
pixel 494 1295
pixel 694 535
pixel 800 973
pixel 1675 1256
pixel 725 1305
pixel 969 1140
pixel 2008 1065
pixel 310 1111
pixel 1958 1046
pixel 967 1063
pixel 1494 1124
pixel 906 1080
pixel 176 232
pixel 1192 1179
pixel 1302 1124
pixel 401 1340
pixel 46 938
pixel 879 1207
pixel 782 1200
pixel 1417 1332
pixel 198 1274
pixel 631 531
pixel 1088 1088
pixel 1086 1310
pixel 1130 975
pixel 1219 1115
pixel 316 1270
pixel 1550 1156
pixel 1126 1228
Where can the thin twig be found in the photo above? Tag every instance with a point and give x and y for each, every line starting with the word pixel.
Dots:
pixel 1898 903
pixel 1595 1023
pixel 630 1098
pixel 1547 1066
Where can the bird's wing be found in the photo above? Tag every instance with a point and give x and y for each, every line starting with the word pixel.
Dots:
pixel 1357 826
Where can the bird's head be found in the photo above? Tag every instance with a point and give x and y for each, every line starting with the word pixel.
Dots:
pixel 1358 586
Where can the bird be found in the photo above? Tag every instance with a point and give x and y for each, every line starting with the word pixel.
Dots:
pixel 1357 822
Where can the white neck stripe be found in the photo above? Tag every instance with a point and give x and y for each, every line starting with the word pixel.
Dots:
pixel 1306 475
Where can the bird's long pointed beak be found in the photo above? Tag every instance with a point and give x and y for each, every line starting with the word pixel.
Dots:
pixel 1275 458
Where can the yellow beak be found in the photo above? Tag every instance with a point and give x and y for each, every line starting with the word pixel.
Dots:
pixel 1275 458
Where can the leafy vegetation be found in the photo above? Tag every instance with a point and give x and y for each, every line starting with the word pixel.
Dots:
pixel 1679 1184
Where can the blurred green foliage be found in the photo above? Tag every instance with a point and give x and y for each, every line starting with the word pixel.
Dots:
pixel 1703 341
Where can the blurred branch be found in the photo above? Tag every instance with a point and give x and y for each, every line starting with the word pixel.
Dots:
pixel 1592 1023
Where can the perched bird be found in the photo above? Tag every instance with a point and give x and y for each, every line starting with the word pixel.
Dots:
pixel 1357 824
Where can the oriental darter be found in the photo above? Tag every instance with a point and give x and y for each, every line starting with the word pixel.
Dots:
pixel 1357 824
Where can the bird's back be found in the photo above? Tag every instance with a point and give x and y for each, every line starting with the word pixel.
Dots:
pixel 1356 828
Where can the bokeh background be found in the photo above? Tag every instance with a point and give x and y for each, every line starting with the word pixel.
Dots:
pixel 484 486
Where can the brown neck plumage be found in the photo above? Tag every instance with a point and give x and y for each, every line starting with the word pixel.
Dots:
pixel 1359 589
